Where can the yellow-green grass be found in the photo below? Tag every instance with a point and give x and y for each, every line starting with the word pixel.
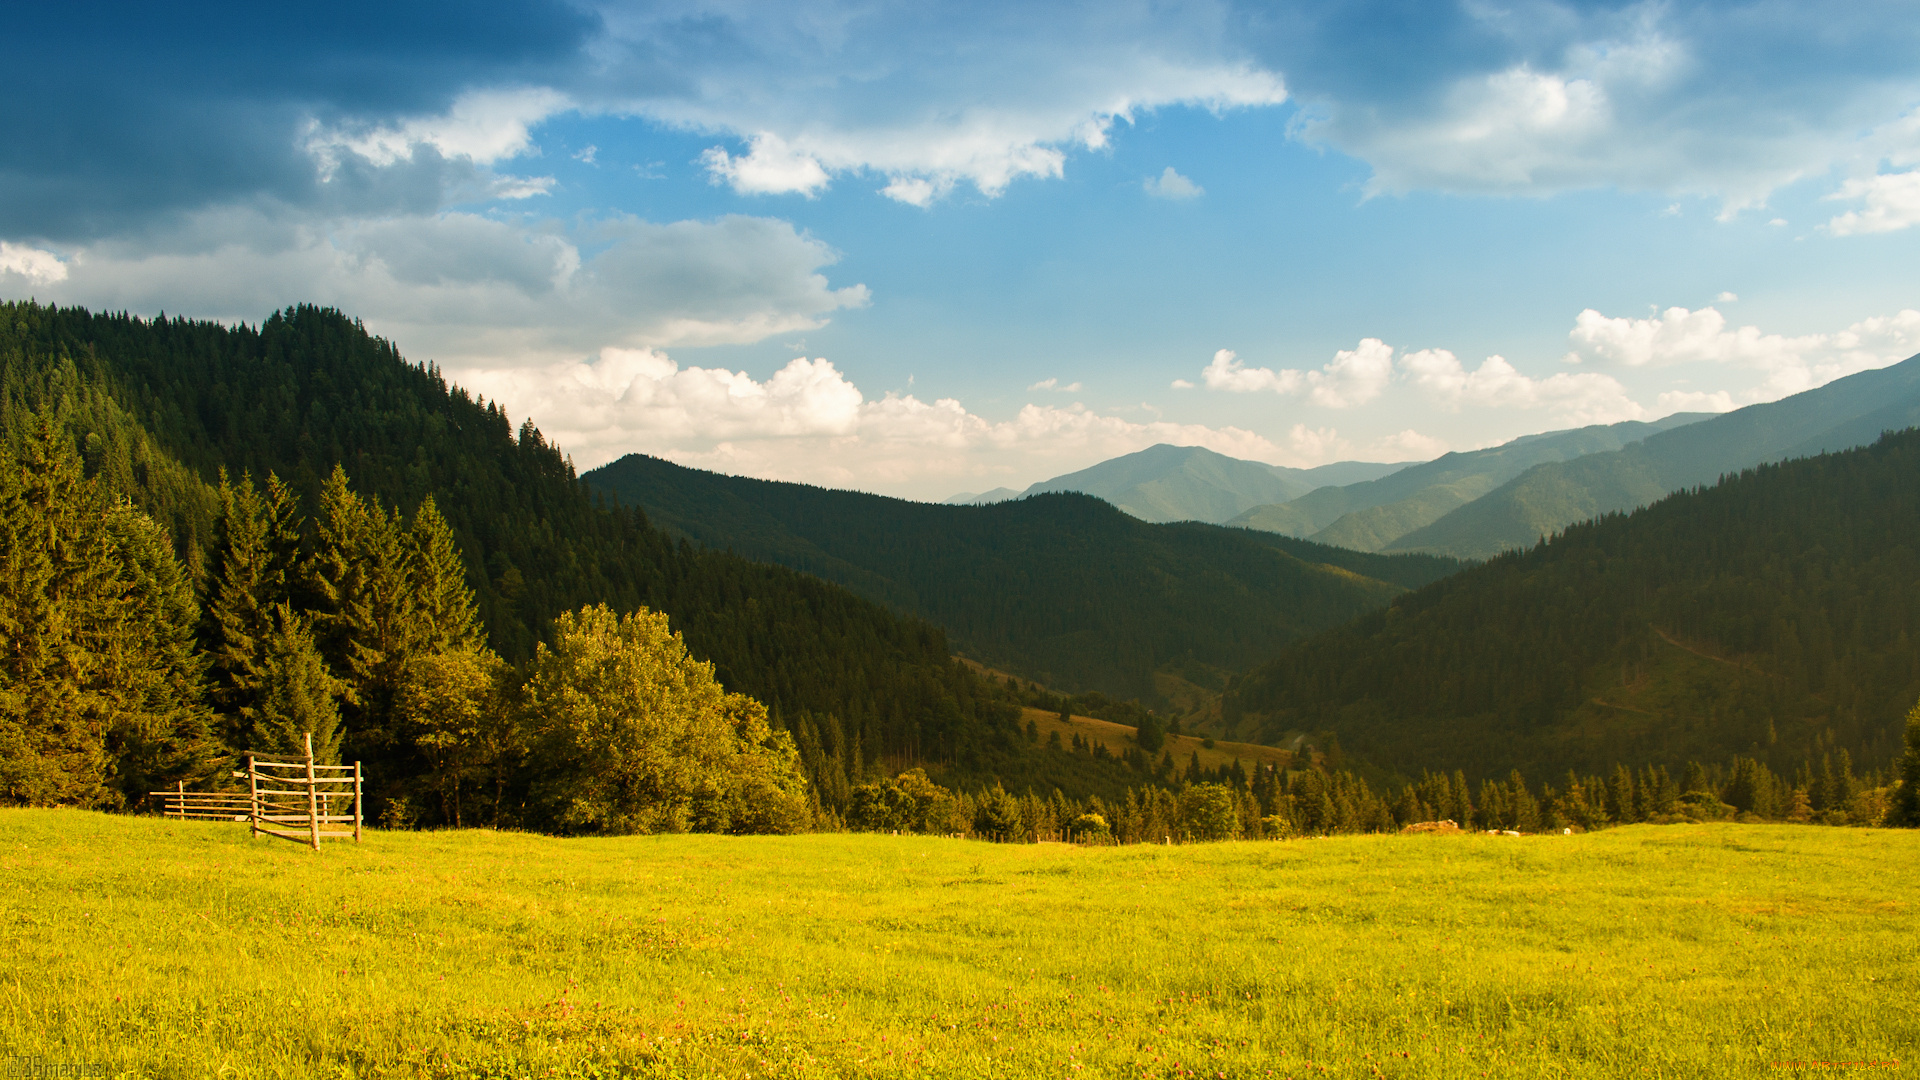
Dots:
pixel 1118 738
pixel 158 948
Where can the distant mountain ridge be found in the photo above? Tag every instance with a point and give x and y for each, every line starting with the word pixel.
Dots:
pixel 1372 514
pixel 1056 586
pixel 1845 413
pixel 1191 483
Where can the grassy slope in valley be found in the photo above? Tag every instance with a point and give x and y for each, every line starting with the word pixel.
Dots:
pixel 1844 413
pixel 159 406
pixel 1771 615
pixel 1674 951
pixel 1369 516
pixel 1062 588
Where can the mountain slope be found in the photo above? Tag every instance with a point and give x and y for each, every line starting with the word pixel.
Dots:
pixel 1772 615
pixel 159 406
pixel 1371 515
pixel 1844 413
pixel 1192 483
pixel 1060 587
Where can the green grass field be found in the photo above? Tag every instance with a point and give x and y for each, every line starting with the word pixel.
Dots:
pixel 155 948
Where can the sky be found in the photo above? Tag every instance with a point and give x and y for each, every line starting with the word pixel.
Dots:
pixel 928 249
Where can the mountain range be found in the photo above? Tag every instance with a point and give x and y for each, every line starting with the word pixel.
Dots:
pixel 1189 483
pixel 1847 412
pixel 1372 514
pixel 1060 587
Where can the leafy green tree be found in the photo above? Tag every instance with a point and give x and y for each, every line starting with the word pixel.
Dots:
pixel 1209 812
pixel 629 733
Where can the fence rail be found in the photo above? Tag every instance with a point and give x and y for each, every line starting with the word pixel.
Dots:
pixel 313 789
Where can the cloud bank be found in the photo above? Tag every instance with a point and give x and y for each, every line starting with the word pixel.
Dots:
pixel 808 422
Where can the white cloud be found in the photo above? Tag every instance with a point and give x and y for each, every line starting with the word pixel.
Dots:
pixel 1792 364
pixel 1408 445
pixel 37 266
pixel 1716 401
pixel 821 92
pixel 1054 384
pixel 1645 96
pixel 520 187
pixel 1892 203
pixel 482 126
pixel 468 289
pixel 1182 384
pixel 808 422
pixel 1171 185
pixel 1727 298
pixel 1582 398
pixel 770 167
pixel 1354 376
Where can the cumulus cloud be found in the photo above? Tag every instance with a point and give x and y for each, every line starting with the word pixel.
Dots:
pixel 809 422
pixel 482 126
pixel 769 167
pixel 37 266
pixel 467 288
pixel 984 97
pixel 1791 363
pixel 1055 384
pixel 1575 398
pixel 1171 185
pixel 1536 98
pixel 1353 377
pixel 1892 203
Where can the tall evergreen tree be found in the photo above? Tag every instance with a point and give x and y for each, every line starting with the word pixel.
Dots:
pixel 259 550
pixel 295 694
pixel 99 685
pixel 1905 811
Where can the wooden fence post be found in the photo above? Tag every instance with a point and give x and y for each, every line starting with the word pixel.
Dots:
pixel 253 799
pixel 313 797
pixel 356 802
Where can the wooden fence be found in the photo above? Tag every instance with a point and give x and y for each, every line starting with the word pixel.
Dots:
pixel 293 800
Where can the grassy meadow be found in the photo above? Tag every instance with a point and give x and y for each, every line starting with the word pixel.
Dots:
pixel 159 948
pixel 1118 739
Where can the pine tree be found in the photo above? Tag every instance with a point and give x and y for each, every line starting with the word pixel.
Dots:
pixel 294 695
pixel 99 687
pixel 365 610
pixel 1905 811
pixel 259 550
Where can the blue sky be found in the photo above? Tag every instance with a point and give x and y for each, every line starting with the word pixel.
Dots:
pixel 921 250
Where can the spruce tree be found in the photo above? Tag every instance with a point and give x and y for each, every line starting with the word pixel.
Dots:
pixel 294 695
pixel 259 549
pixel 99 687
pixel 1905 811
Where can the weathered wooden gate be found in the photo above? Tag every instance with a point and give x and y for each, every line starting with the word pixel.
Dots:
pixel 294 800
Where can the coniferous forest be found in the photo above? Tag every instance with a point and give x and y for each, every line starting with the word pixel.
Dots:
pixel 218 539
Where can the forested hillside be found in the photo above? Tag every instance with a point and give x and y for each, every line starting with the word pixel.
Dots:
pixel 157 407
pixel 1062 588
pixel 1773 615
pixel 1844 413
